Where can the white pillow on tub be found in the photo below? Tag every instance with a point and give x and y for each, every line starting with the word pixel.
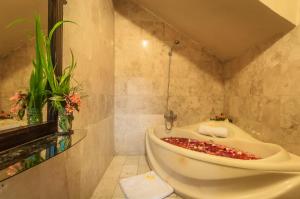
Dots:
pixel 213 131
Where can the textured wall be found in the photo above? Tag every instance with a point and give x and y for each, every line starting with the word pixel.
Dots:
pixel 15 73
pixel 92 41
pixel 75 174
pixel 141 77
pixel 262 92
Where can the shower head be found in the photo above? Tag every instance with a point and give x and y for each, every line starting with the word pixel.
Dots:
pixel 175 43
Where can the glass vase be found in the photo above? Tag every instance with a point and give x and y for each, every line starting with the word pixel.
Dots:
pixel 34 116
pixel 63 143
pixel 64 122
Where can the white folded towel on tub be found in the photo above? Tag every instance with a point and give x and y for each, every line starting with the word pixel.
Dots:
pixel 146 186
pixel 213 131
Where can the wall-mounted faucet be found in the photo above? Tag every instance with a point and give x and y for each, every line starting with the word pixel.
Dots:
pixel 170 118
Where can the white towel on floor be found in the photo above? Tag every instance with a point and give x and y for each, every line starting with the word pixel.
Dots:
pixel 146 186
pixel 213 131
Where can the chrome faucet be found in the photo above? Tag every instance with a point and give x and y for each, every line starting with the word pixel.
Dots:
pixel 170 118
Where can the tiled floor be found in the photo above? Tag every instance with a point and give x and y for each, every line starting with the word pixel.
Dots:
pixel 121 167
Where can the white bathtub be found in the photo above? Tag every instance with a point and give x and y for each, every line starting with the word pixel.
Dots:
pixel 199 175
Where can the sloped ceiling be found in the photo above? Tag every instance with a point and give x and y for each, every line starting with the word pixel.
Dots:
pixel 226 27
pixel 22 12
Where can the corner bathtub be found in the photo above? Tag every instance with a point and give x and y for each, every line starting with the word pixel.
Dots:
pixel 199 175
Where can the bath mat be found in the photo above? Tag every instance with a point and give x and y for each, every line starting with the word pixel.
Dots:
pixel 145 186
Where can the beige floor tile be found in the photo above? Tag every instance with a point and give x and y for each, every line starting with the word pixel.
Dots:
pixel 115 167
pixel 118 160
pixel 128 171
pixel 143 160
pixel 132 160
pixel 121 167
pixel 106 188
pixel 114 171
pixel 143 169
pixel 118 192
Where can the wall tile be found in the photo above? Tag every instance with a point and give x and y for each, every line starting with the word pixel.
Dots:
pixel 16 68
pixel 262 91
pixel 141 76
pixel 76 173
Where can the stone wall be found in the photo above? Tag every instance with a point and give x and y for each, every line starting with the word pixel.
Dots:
pixel 142 42
pixel 15 73
pixel 262 92
pixel 92 42
pixel 75 174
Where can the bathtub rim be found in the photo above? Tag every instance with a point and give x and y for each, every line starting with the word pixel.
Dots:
pixel 292 165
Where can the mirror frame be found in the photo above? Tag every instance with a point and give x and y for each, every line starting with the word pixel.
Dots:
pixel 13 137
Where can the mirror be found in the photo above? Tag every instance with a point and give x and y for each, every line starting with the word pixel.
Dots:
pixel 17 53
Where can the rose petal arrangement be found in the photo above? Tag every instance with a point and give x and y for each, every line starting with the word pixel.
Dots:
pixel 210 148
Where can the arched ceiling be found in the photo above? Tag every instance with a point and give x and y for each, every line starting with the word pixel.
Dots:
pixel 226 27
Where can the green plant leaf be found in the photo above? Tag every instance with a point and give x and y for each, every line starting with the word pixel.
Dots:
pixel 15 22
pixel 37 95
pixel 56 26
pixel 57 98
pixel 21 113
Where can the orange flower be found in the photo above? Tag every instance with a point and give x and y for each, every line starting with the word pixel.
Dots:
pixel 16 97
pixel 12 170
pixel 75 98
pixel 15 108
pixel 72 102
pixel 69 109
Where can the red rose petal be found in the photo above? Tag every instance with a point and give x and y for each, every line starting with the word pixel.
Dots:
pixel 210 148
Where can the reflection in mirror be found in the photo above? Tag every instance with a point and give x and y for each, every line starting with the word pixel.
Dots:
pixel 17 53
pixel 16 160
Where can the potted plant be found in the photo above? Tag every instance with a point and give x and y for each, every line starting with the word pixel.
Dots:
pixel 64 97
pixel 34 100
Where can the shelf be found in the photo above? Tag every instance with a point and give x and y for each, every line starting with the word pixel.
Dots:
pixel 23 157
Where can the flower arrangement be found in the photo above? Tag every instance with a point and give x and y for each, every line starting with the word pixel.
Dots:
pixel 14 169
pixel 220 117
pixel 66 104
pixel 72 103
pixel 34 100
pixel 64 97
pixel 20 104
pixel 5 115
pixel 28 163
